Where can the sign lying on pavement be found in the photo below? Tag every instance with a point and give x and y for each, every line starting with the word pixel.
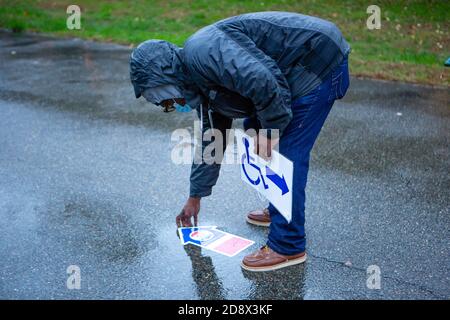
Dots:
pixel 210 238
pixel 273 179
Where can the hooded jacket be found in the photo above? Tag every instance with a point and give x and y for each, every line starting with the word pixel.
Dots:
pixel 251 65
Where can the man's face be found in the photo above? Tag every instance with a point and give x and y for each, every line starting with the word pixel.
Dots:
pixel 168 104
pixel 165 96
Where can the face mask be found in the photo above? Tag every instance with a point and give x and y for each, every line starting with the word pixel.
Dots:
pixel 180 108
pixel 156 95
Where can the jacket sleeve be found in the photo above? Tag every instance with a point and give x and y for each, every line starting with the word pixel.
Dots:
pixel 232 60
pixel 204 174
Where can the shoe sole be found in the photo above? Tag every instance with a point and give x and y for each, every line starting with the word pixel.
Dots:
pixel 258 223
pixel 277 266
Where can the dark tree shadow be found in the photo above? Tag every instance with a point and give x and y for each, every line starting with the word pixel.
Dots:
pixel 283 284
pixel 209 287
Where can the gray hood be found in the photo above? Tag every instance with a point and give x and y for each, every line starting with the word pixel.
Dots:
pixel 155 63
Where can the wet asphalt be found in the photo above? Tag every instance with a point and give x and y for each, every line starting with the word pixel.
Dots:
pixel 86 179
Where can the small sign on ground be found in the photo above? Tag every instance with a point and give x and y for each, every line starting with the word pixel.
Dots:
pixel 209 237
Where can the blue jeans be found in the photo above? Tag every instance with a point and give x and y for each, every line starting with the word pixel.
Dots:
pixel 309 114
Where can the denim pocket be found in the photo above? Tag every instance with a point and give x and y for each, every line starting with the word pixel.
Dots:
pixel 344 80
pixel 336 76
pixel 343 86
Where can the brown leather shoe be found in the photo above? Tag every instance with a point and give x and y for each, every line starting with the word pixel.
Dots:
pixel 259 217
pixel 265 259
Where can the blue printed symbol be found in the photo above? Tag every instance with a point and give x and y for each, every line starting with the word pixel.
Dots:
pixel 249 158
pixel 280 182
pixel 198 235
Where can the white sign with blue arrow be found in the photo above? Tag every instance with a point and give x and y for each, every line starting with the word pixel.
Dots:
pixel 273 178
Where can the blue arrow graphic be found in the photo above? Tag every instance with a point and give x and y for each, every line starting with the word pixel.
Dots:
pixel 280 182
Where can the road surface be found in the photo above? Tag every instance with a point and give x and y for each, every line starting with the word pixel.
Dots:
pixel 86 179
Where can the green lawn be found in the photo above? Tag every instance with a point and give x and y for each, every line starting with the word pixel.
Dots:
pixel 411 45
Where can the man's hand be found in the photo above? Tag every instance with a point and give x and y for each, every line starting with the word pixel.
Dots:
pixel 263 146
pixel 190 209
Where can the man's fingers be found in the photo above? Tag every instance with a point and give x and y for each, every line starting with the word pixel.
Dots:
pixel 187 222
pixel 184 219
pixel 179 219
pixel 195 219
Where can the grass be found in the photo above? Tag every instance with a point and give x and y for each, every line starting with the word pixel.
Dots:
pixel 411 45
